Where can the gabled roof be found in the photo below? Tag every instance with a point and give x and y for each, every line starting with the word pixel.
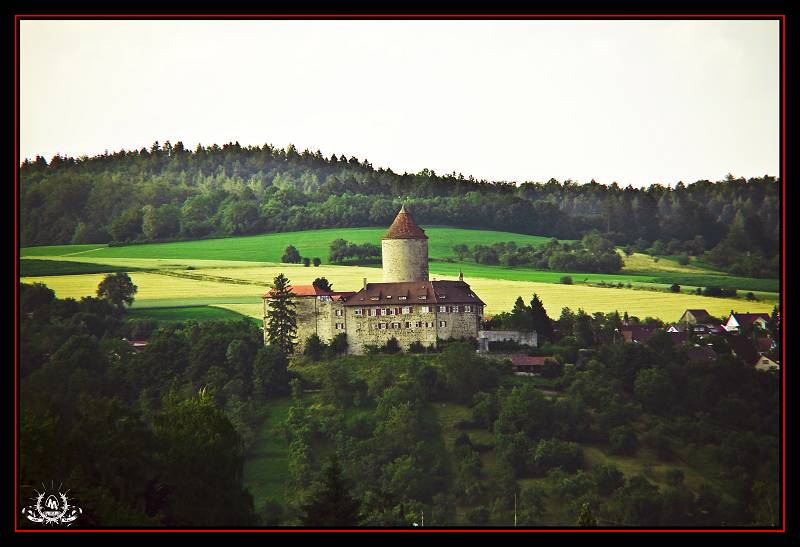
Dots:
pixel 700 315
pixel 405 227
pixel 415 292
pixel 749 318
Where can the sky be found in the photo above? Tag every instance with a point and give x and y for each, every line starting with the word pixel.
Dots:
pixel 632 102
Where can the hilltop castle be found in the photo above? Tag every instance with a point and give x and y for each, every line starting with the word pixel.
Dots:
pixel 406 305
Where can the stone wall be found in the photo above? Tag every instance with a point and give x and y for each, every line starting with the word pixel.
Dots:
pixel 404 260
pixel 362 330
pixel 457 324
pixel 527 338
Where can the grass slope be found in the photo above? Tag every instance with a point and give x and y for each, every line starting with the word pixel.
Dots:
pixel 185 313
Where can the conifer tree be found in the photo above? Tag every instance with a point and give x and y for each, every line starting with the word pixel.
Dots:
pixel 282 329
pixel 540 322
pixel 587 518
pixel 331 504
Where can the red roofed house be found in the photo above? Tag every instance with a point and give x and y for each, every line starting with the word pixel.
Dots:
pixel 406 305
pixel 529 363
pixel 739 321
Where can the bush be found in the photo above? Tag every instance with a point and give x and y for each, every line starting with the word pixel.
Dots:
pixel 566 280
pixel 622 440
pixel 675 288
pixel 392 346
pixel 306 262
pixel 683 260
pixel 416 347
pixel 552 453
pixel 750 296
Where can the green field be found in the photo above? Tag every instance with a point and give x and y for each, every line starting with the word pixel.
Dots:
pixel 270 247
pixel 29 268
pixel 184 313
pixel 233 273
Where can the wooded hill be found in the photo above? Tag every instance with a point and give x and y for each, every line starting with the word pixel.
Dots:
pixel 167 192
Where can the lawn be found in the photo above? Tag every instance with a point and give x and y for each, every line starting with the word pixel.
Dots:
pixel 270 247
pixel 29 268
pixel 266 465
pixel 185 313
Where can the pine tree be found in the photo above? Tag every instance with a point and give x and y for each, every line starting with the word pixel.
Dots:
pixel 331 504
pixel 282 329
pixel 540 322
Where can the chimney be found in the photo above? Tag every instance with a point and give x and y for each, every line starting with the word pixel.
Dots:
pixel 365 282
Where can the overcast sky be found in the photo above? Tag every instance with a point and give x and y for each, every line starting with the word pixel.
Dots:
pixel 637 102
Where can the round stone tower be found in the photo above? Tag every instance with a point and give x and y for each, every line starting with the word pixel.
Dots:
pixel 404 249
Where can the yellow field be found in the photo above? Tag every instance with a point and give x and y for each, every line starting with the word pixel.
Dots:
pixel 639 262
pixel 218 283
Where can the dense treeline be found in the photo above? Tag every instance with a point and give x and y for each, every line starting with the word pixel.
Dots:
pixel 169 192
pixel 152 438
pixel 592 254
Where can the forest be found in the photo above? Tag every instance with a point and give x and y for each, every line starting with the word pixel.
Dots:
pixel 365 435
pixel 166 192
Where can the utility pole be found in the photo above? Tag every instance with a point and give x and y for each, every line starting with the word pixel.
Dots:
pixel 515 508
pixel 423 519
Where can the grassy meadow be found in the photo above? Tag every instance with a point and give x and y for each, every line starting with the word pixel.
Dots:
pixel 232 274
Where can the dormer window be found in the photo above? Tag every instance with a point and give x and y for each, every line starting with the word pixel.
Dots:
pixel 402 297
pixel 388 296
pixel 374 298
pixel 423 297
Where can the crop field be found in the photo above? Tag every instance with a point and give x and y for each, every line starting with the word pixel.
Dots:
pixel 240 290
pixel 231 275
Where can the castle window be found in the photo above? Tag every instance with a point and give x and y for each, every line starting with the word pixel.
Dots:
pixel 398 311
pixel 339 326
pixel 442 323
pixel 388 296
pixel 455 309
pixel 338 313
pixel 359 311
pixel 442 309
pixel 426 309
pixel 423 297
pixel 418 324
pixel 467 308
pixel 408 324
pixel 407 309
pixel 387 311
pixel 374 298
pixel 395 325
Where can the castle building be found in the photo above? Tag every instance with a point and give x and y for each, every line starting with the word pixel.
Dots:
pixel 407 305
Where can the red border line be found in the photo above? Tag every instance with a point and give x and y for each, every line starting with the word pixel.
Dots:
pixel 782 115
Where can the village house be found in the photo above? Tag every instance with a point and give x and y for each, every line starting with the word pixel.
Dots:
pixel 738 322
pixel 406 306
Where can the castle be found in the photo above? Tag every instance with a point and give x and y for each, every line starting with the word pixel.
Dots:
pixel 407 305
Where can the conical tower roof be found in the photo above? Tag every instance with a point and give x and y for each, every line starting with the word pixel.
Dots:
pixel 405 227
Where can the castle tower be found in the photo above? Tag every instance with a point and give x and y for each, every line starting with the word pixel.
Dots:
pixel 404 249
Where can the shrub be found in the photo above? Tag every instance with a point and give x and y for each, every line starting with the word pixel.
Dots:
pixel 317 261
pixel 675 288
pixel 566 280
pixel 416 347
pixel 552 453
pixel 392 346
pixel 750 296
pixel 683 260
pixel 622 440
pixel 306 262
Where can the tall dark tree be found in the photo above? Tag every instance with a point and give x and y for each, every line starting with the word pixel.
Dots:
pixel 291 255
pixel 118 289
pixel 282 316
pixel 331 504
pixel 540 322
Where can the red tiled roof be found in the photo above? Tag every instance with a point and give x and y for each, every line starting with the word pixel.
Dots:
pixel 415 292
pixel 405 227
pixel 529 360
pixel 304 290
